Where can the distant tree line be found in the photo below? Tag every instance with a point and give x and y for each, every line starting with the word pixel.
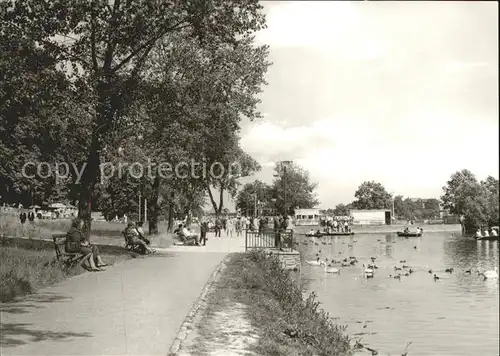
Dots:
pixel 373 195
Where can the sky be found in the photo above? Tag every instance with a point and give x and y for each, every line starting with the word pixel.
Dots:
pixel 403 93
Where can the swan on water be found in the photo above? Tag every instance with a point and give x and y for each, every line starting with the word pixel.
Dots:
pixel 367 270
pixel 490 274
pixel 317 262
pixel 330 269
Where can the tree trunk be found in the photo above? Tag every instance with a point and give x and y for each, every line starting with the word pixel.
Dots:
pixel 154 206
pixel 171 207
pixel 87 184
pixel 221 200
pixel 212 200
pixel 106 108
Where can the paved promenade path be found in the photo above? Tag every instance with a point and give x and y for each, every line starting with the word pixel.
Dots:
pixel 132 308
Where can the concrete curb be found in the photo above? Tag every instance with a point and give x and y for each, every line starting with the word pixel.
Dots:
pixel 188 323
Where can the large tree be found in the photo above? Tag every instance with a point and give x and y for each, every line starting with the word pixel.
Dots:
pixel 372 195
pixel 491 188
pixel 253 194
pixel 465 196
pixel 292 187
pixel 35 97
pixel 104 46
pixel 198 96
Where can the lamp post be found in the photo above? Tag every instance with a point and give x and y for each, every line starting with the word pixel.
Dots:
pixel 255 205
pixel 393 217
pixel 285 165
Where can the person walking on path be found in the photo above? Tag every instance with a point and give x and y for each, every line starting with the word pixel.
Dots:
pixel 22 217
pixel 237 226
pixel 224 224
pixel 203 232
pixel 276 228
pixel 230 227
pixel 218 226
pixel 31 217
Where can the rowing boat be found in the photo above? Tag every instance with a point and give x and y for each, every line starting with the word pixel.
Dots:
pixel 337 233
pixel 321 234
pixel 409 234
pixel 487 238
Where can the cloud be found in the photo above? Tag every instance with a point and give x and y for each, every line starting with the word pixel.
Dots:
pixel 332 26
pixel 405 93
pixel 457 66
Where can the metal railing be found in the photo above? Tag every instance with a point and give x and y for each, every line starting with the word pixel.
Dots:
pixel 268 238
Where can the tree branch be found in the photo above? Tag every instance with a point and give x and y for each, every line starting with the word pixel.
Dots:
pixel 151 43
pixel 92 38
pixel 214 204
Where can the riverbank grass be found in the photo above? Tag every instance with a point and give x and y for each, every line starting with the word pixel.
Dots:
pixel 272 313
pixel 23 271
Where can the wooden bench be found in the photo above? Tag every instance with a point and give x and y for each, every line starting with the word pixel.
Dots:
pixel 69 259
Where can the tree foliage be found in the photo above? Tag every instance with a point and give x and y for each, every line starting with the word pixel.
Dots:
pixel 342 210
pixel 102 47
pixel 476 201
pixel 292 182
pixel 252 193
pixel 420 209
pixel 372 195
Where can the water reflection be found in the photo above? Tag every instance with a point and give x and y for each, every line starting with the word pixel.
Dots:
pixel 388 245
pixel 460 307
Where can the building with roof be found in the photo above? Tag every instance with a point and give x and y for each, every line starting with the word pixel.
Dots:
pixel 371 216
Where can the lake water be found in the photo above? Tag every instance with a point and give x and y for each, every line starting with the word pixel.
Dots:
pixel 455 315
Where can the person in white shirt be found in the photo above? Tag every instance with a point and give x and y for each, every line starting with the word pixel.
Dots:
pixel 494 232
pixel 255 224
pixel 229 227
pixel 478 233
pixel 139 229
pixel 184 232
pixel 486 232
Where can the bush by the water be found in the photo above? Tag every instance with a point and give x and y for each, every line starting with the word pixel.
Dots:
pixel 289 324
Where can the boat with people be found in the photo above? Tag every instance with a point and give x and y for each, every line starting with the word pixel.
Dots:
pixel 337 233
pixel 408 233
pixel 490 234
pixel 319 233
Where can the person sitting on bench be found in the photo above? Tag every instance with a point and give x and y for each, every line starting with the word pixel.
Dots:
pixel 133 238
pixel 76 236
pixel 186 236
pixel 140 231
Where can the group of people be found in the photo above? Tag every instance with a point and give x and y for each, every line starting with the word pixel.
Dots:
pixel 407 230
pixel 336 224
pixel 227 226
pixel 486 232
pixel 23 216
pixel 77 241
